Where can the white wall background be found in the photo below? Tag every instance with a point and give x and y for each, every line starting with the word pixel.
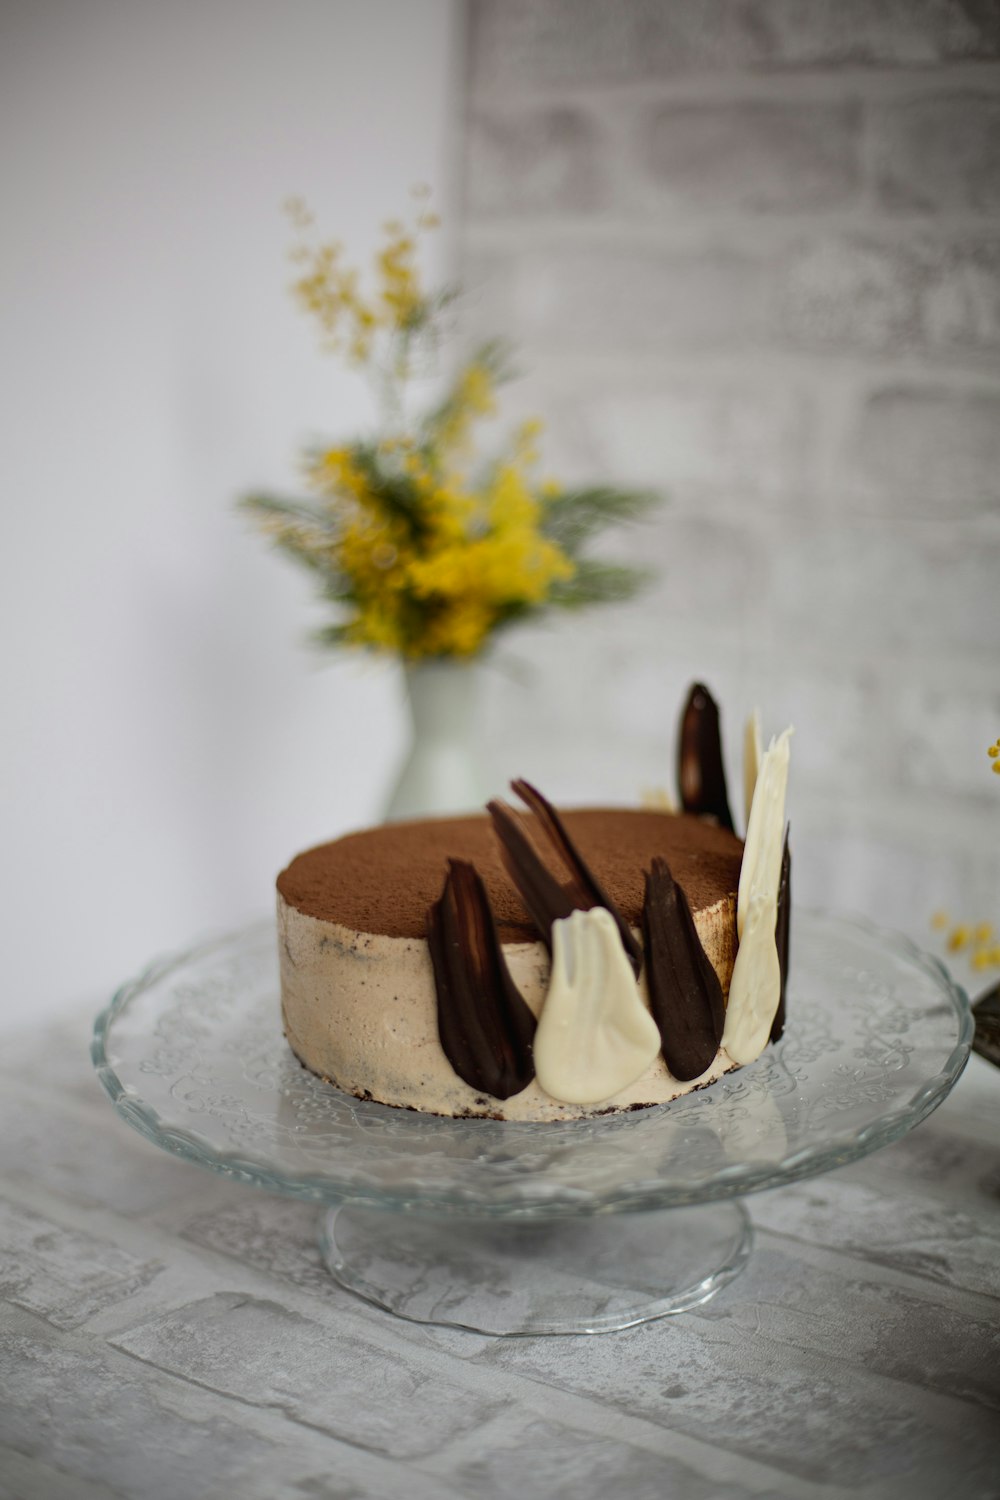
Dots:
pixel 168 741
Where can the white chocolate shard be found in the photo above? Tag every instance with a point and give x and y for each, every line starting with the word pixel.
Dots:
pixel 761 868
pixel 755 986
pixel 753 750
pixel 756 983
pixel 595 1036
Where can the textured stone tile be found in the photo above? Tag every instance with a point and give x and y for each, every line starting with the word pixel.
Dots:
pixel 932 450
pixel 62 1274
pixel 871 294
pixel 761 157
pixel 851 856
pixel 89 1159
pixel 749 1394
pixel 890 1331
pixel 266 1355
pixel 740 572
pixel 944 732
pixel 276 1235
pixel 639 299
pixel 831 713
pixel 86 1413
pixel 902 1229
pixel 545 1458
pixel 938 155
pixel 280 1238
pixel 910 589
pixel 394 1483
pixel 811 33
pixel 800 581
pixel 537 161
pixel 589 41
pixel 690 440
pixel 24 1478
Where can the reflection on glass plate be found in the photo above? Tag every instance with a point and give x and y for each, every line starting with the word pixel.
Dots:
pixel 192 1055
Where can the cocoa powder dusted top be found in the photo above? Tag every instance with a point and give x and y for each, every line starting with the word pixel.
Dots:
pixel 382 880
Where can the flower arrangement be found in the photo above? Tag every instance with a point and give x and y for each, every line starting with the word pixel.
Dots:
pixel 422 550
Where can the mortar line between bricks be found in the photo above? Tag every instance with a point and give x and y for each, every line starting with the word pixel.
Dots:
pixel 699 229
pixel 128 1232
pixel 436 1363
pixel 574 1410
pixel 895 668
pixel 909 1399
pixel 35 1327
pixel 255 1275
pixel 580 1411
pixel 818 366
pixel 981 1305
pixel 616 1427
pixel 585 1413
pixel 876 84
pixel 941 1407
pixel 279 1407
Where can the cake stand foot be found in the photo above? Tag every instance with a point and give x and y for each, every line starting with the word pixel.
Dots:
pixel 512 1277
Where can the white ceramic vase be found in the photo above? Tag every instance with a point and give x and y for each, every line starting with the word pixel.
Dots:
pixel 443 771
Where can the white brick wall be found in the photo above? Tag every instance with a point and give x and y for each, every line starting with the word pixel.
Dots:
pixel 750 252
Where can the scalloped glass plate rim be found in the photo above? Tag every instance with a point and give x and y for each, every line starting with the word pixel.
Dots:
pixel 640 1195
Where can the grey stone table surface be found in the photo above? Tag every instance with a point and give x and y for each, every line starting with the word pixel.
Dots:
pixel 169 1334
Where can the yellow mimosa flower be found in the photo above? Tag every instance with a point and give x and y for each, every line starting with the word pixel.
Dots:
pixel 423 550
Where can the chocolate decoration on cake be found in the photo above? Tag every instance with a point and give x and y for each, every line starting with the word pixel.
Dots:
pixel 414 955
pixel 485 1027
pixel 685 995
pixel 701 777
pixel 546 899
pixel 781 931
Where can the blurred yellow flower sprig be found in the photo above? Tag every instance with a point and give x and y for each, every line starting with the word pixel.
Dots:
pixel 979 941
pixel 422 552
pixel 396 307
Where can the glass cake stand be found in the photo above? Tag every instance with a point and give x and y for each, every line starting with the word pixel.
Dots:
pixel 573 1227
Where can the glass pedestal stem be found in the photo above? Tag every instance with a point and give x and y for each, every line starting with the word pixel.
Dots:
pixel 533 1276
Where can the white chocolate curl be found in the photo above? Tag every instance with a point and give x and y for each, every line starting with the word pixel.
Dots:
pixel 755 987
pixel 595 1037
pixel 760 871
pixel 756 984
pixel 753 750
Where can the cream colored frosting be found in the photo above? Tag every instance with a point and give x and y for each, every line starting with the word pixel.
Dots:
pixel 361 1010
pixel 595 1036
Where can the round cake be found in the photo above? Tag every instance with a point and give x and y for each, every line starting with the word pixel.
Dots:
pixel 358 993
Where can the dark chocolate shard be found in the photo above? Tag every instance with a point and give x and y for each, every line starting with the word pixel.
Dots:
pixel 540 891
pixel 485 1026
pixel 546 899
pixel 781 930
pixel 701 776
pixel 685 995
